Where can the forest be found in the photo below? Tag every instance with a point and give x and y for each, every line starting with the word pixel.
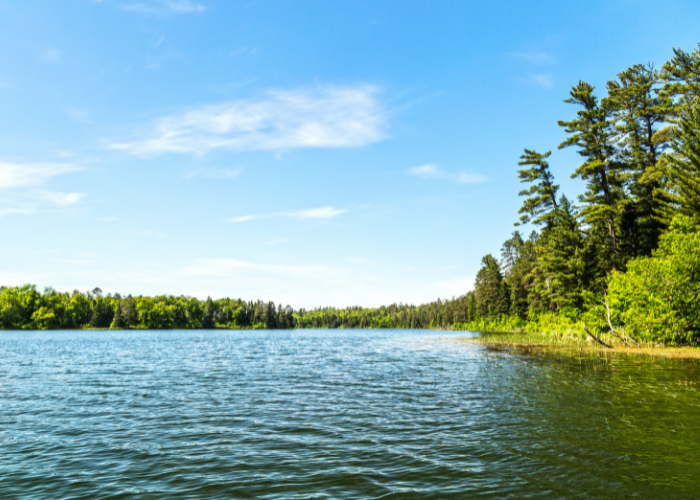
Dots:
pixel 623 253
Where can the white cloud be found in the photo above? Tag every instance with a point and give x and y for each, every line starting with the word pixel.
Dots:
pixel 20 180
pixel 536 58
pixel 321 213
pixel 310 285
pixel 17 175
pixel 19 211
pixel 542 80
pixel 165 7
pixel 215 173
pixel 62 199
pixel 431 171
pixel 321 117
pixel 78 115
pixel 424 171
pixel 53 56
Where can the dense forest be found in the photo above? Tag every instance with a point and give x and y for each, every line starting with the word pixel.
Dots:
pixel 626 252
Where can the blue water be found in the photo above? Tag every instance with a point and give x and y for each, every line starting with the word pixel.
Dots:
pixel 336 414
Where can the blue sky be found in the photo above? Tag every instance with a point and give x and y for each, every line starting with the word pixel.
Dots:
pixel 307 152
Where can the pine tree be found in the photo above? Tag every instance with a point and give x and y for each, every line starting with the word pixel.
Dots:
pixel 682 73
pixel 563 259
pixel 591 132
pixel 683 167
pixel 117 321
pixel 491 289
pixel 640 109
pixel 518 275
pixel 542 196
pixel 509 252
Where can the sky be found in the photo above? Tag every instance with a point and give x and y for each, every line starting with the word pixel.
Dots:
pixel 313 153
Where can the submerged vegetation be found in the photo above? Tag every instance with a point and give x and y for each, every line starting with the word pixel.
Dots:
pixel 621 263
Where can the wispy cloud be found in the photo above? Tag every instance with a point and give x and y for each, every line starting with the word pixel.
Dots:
pixel 20 175
pixel 61 199
pixel 322 213
pixel 52 56
pixel 536 58
pixel 215 173
pixel 18 211
pixel 215 267
pixel 543 80
pixel 431 171
pixel 320 117
pixel 165 7
pixel 78 115
pixel 20 181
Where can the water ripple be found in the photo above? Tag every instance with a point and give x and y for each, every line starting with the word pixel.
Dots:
pixel 336 414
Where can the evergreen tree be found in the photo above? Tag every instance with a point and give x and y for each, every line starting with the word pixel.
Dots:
pixel 591 132
pixel 491 289
pixel 542 195
pixel 683 167
pixel 518 276
pixel 640 109
pixel 510 251
pixel 682 73
pixel 563 258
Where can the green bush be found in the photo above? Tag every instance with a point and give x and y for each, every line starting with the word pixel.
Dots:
pixel 658 298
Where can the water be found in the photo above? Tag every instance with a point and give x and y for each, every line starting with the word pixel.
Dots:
pixel 337 414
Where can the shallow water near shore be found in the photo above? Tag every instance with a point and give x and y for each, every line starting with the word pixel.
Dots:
pixel 338 414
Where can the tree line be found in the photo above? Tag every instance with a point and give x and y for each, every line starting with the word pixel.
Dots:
pixel 26 308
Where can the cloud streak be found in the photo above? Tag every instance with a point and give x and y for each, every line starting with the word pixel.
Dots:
pixel 320 117
pixel 431 171
pixel 17 175
pixel 536 58
pixel 215 173
pixel 321 213
pixel 21 181
pixel 165 7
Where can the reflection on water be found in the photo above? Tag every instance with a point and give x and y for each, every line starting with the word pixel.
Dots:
pixel 337 414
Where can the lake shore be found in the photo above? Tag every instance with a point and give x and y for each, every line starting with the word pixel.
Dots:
pixel 569 342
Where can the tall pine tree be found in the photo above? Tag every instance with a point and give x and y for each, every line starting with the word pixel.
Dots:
pixel 542 196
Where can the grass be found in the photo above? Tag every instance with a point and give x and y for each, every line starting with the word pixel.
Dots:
pixel 571 341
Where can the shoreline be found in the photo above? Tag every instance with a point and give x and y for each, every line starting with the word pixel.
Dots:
pixel 560 342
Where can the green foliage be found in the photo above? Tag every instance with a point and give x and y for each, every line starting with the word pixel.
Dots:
pixel 658 298
pixel 542 195
pixel 591 133
pixel 25 308
pixel 641 108
pixel 683 167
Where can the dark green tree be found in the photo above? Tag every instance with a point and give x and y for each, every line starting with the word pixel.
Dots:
pixel 683 167
pixel 641 109
pixel 491 290
pixel 542 195
pixel 591 133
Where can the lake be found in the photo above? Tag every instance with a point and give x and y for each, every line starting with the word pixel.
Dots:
pixel 337 414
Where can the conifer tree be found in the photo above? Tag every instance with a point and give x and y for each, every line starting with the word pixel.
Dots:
pixel 640 109
pixel 563 258
pixel 542 195
pixel 491 290
pixel 682 73
pixel 591 133
pixel 683 166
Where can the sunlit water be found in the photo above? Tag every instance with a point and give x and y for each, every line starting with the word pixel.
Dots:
pixel 337 414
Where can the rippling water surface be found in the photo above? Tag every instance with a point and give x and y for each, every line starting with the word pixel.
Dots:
pixel 337 414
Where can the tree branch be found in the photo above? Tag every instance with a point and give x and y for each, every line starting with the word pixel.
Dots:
pixel 595 338
pixel 612 328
